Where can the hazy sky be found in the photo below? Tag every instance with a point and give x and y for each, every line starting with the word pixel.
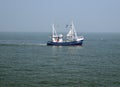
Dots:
pixel 38 15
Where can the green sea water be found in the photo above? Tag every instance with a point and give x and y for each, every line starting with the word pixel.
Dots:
pixel 26 61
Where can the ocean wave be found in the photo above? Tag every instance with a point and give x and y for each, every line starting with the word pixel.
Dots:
pixel 22 44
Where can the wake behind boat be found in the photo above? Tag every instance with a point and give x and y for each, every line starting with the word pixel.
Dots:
pixel 71 38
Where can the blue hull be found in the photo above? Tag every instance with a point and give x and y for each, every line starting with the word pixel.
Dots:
pixel 73 43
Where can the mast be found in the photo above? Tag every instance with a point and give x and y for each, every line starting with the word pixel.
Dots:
pixel 74 31
pixel 72 35
pixel 54 31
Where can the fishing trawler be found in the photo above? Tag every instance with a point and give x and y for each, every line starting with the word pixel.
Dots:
pixel 71 38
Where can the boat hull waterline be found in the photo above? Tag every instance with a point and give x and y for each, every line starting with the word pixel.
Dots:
pixel 73 43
